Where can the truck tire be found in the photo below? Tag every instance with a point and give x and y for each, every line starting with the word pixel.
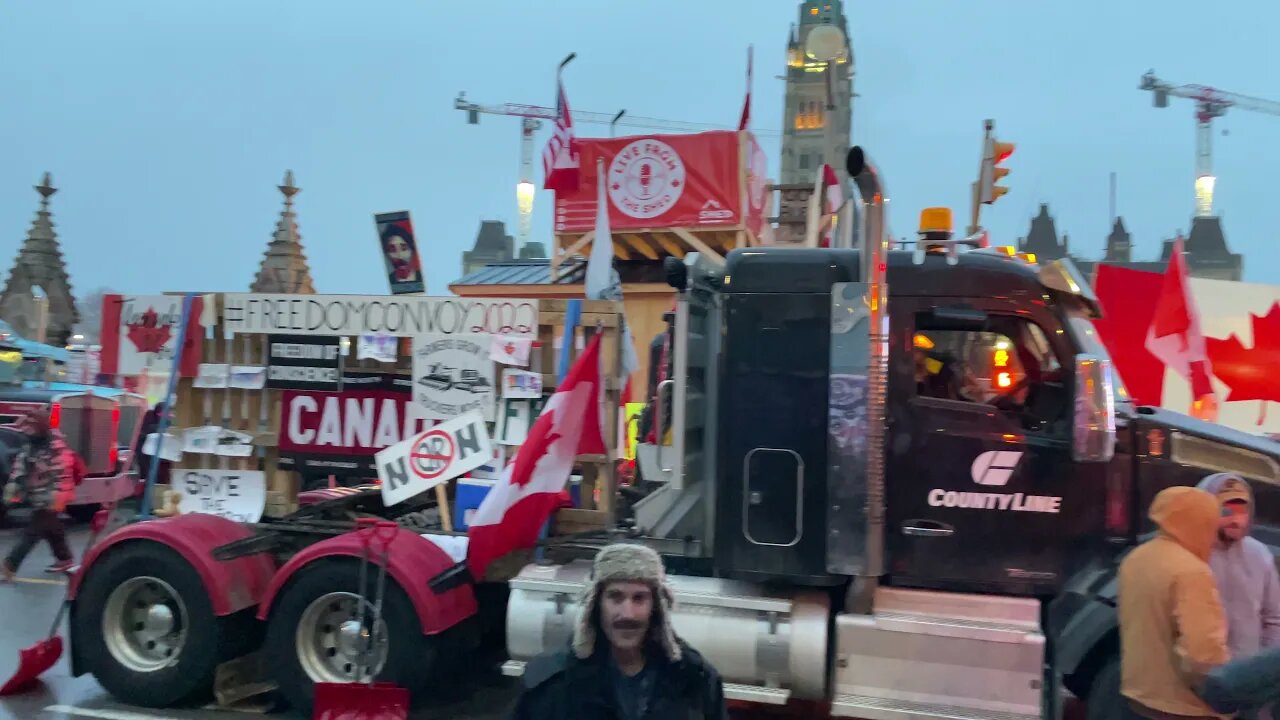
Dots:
pixel 147 627
pixel 305 644
pixel 1105 701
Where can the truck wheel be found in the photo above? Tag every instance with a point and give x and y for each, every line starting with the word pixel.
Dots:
pixel 147 626
pixel 311 636
pixel 1105 701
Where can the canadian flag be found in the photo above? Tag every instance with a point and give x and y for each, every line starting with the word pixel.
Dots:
pixel 825 188
pixel 1174 335
pixel 532 486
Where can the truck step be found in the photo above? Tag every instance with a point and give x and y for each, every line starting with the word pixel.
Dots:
pixel 926 654
pixel 732 691
pixel 874 708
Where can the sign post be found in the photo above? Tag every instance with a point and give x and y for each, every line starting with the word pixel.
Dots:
pixel 144 512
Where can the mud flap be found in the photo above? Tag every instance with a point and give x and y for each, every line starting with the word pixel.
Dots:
pixel 239 681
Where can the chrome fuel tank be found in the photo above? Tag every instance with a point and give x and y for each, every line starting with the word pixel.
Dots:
pixel 768 646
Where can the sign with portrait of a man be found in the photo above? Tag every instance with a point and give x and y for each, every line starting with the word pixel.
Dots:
pixel 400 251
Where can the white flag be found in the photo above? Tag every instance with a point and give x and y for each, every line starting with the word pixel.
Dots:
pixel 602 282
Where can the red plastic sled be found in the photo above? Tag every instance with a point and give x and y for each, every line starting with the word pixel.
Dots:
pixel 32 662
pixel 358 701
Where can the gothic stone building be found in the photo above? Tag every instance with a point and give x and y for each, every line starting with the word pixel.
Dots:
pixel 1207 253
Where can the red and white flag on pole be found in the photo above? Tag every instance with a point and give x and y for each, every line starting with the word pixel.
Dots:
pixel 826 200
pixel 560 164
pixel 1174 336
pixel 745 121
pixel 532 486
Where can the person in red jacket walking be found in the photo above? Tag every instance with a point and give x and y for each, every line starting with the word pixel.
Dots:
pixel 42 475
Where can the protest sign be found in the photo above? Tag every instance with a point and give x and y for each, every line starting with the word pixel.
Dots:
pixel 239 495
pixel 432 457
pixel 453 375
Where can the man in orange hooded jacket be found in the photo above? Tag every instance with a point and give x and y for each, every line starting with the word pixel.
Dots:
pixel 1173 630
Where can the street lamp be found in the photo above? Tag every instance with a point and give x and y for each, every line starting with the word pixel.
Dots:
pixel 41 299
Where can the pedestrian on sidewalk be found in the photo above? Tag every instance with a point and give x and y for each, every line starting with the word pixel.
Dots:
pixel 1173 631
pixel 625 661
pixel 1245 572
pixel 42 476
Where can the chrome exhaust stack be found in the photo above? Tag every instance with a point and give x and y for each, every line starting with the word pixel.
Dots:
pixel 860 357
pixel 874 266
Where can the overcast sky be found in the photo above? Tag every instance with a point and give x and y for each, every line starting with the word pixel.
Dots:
pixel 167 125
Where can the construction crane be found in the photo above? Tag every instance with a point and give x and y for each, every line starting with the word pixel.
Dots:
pixel 531 117
pixel 1210 103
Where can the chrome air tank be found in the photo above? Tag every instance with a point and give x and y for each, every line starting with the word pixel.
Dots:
pixel 768 646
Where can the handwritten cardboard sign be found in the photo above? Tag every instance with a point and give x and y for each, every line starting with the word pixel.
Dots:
pixel 239 495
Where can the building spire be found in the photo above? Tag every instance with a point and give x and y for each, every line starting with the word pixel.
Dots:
pixel 46 190
pixel 40 263
pixel 284 266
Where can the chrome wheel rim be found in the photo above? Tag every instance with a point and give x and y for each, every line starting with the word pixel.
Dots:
pixel 333 640
pixel 145 624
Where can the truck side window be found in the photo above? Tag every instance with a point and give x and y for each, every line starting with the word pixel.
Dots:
pixel 1009 364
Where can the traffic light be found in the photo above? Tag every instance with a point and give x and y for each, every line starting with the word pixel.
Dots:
pixel 994 152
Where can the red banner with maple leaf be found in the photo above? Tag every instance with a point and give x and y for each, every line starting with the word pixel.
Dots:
pixel 1241 327
pixel 139 335
pixel 1250 372
pixel 1129 299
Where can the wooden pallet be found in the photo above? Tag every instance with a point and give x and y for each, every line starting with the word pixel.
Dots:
pixel 258 412
pixel 653 245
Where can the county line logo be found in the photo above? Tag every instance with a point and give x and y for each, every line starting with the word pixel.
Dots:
pixel 994 467
pixel 646 179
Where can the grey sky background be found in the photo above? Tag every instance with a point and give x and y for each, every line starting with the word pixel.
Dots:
pixel 167 125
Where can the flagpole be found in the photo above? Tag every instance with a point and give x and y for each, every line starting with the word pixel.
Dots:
pixel 162 427
pixel 559 70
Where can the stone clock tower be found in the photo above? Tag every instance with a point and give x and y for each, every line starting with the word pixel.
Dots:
pixel 805 114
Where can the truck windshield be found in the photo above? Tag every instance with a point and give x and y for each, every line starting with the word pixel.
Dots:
pixel 1087 339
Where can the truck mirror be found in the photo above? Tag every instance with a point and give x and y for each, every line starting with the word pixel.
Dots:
pixel 1093 434
pixel 957 318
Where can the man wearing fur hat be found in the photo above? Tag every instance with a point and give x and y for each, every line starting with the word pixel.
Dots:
pixel 625 660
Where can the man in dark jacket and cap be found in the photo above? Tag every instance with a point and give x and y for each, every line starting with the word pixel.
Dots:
pixel 625 661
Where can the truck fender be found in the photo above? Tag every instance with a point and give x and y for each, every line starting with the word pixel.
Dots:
pixel 232 585
pixel 1084 625
pixel 412 561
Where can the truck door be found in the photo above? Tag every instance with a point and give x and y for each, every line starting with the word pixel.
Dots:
pixel 981 481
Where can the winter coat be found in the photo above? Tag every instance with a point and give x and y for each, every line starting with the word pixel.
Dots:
pixel 1248 583
pixel 43 468
pixel 559 685
pixel 1172 627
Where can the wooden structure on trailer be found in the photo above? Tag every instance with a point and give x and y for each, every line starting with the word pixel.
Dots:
pixel 712 207
pixel 257 412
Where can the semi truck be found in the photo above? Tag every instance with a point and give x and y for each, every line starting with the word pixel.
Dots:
pixel 99 424
pixel 898 485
